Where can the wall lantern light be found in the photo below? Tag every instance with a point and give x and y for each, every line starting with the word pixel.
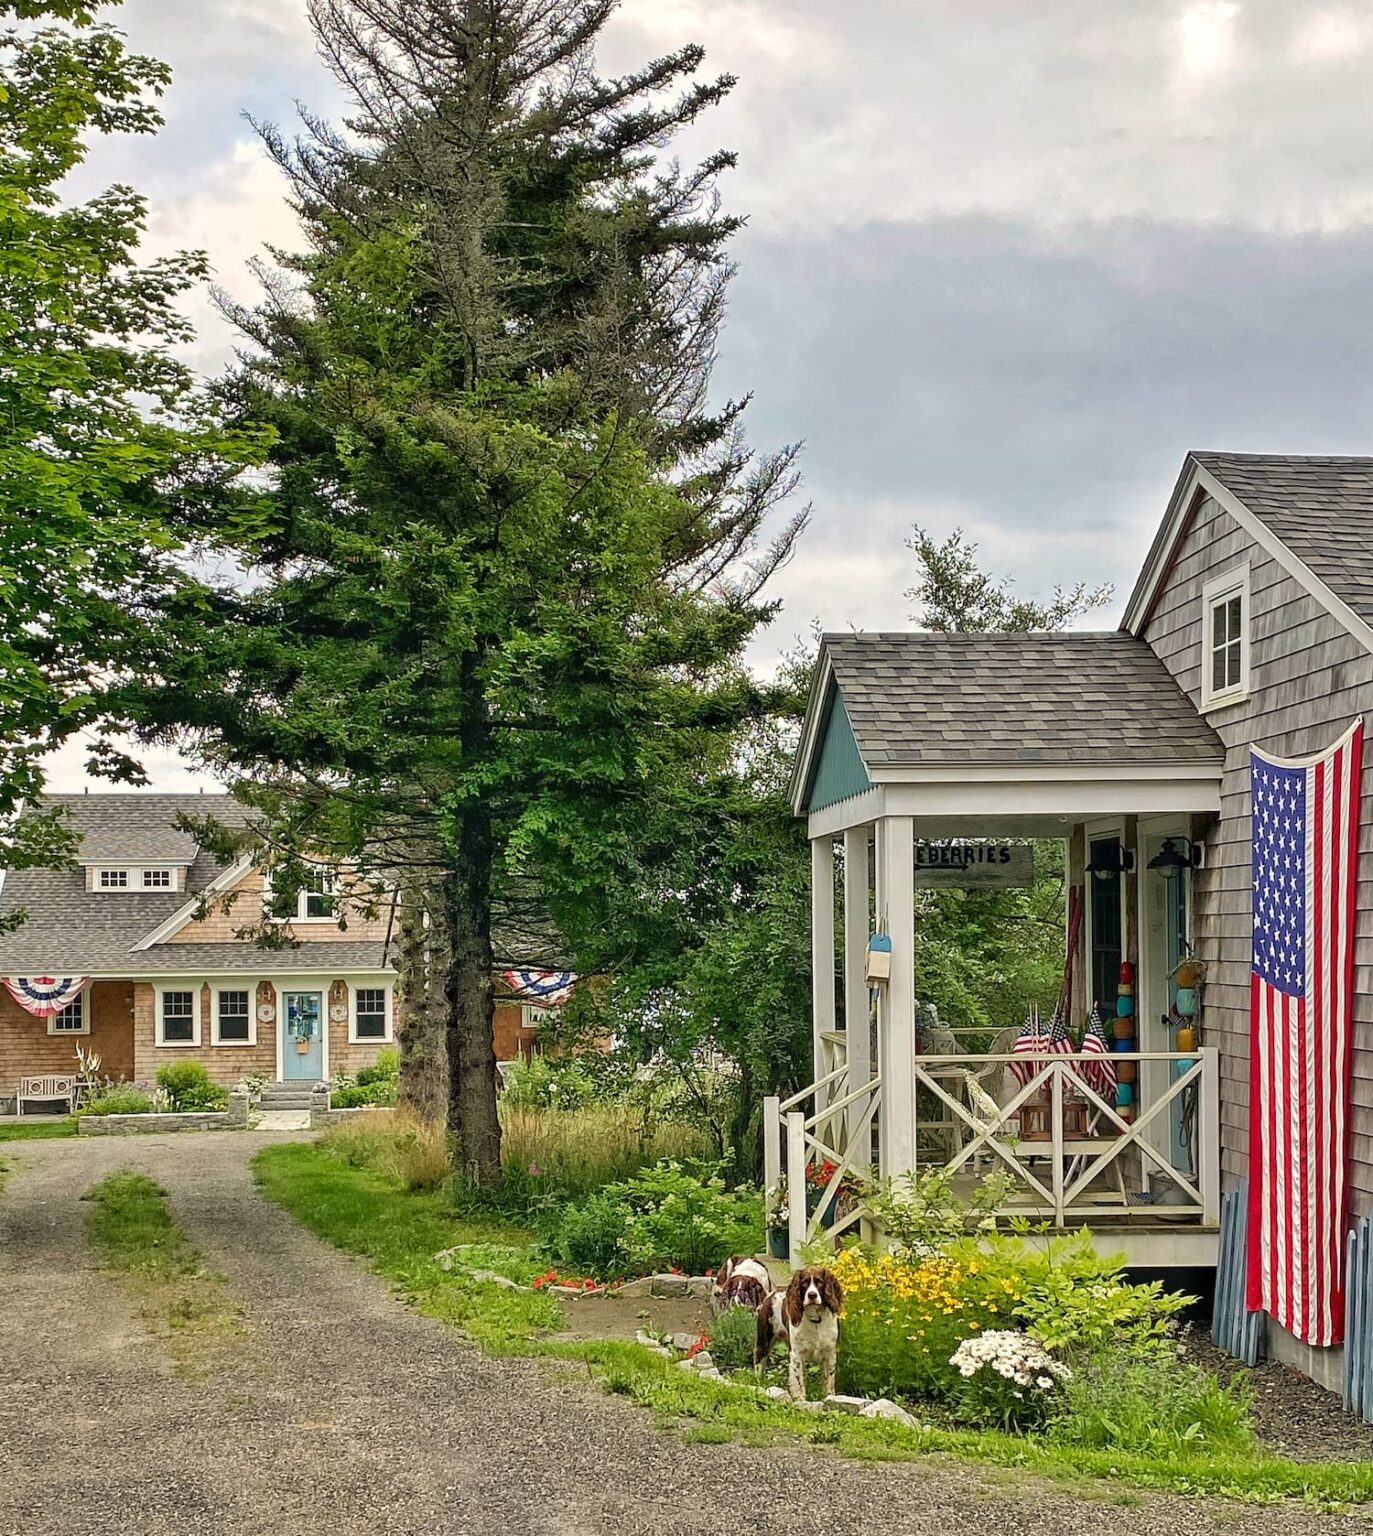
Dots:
pixel 1109 859
pixel 1170 860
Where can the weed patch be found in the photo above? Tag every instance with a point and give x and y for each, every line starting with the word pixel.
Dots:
pixel 186 1306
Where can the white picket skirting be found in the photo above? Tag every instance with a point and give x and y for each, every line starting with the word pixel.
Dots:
pixel 1055 1178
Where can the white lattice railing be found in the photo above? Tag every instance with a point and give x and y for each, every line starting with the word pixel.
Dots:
pixel 1069 1170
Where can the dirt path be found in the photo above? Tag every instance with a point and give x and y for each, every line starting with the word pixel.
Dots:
pixel 347 1413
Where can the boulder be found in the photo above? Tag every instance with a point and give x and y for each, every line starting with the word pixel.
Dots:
pixel 642 1287
pixel 884 1408
pixel 699 1287
pixel 683 1341
pixel 703 1361
pixel 837 1403
pixel 490 1277
pixel 669 1287
pixel 779 1394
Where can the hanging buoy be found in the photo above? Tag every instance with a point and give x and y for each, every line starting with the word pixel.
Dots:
pixel 1125 1007
pixel 1187 1038
pixel 1127 970
pixel 1125 1093
pixel 1126 1071
pixel 1186 1002
pixel 1188 973
pixel 879 957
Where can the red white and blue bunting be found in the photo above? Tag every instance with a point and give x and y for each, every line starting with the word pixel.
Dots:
pixel 551 989
pixel 45 996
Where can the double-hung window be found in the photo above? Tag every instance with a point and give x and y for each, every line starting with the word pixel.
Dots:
pixel 178 1019
pixel 370 1013
pixel 233 1016
pixel 74 1019
pixel 1225 639
pixel 315 900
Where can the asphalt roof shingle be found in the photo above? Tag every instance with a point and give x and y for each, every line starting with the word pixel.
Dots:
pixel 919 699
pixel 1320 507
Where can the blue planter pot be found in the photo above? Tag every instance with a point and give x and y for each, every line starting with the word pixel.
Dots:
pixel 777 1242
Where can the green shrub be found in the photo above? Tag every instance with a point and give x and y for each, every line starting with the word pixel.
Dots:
pixel 188 1087
pixel 541 1083
pixel 667 1218
pixel 385 1069
pixel 732 1335
pixel 126 1100
pixel 590 1237
pixel 376 1092
pixel 1151 1400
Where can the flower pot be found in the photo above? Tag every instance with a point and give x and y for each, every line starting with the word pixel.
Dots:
pixel 778 1242
pixel 813 1199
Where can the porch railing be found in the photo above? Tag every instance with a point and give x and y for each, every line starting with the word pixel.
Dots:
pixel 1064 1143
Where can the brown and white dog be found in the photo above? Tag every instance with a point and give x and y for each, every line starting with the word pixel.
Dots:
pixel 806 1315
pixel 740 1282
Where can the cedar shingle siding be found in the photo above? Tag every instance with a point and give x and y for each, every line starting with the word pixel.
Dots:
pixel 1309 678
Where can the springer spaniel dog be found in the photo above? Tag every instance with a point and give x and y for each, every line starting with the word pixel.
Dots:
pixel 806 1315
pixel 740 1282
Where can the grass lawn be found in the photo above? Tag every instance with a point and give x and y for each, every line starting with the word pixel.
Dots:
pixel 39 1130
pixel 184 1304
pixel 399 1233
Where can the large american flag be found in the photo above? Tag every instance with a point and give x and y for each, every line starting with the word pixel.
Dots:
pixel 1305 818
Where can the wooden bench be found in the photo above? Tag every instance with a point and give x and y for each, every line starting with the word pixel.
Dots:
pixel 54 1087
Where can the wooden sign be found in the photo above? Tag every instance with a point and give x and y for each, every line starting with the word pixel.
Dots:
pixel 974 866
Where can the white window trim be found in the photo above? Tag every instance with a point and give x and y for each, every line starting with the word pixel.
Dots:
pixel 250 987
pixel 389 993
pixel 1233 583
pixel 157 869
pixel 64 1034
pixel 159 991
pixel 299 915
pixel 113 869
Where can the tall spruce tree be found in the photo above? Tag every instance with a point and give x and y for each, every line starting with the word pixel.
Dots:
pixel 99 424
pixel 512 554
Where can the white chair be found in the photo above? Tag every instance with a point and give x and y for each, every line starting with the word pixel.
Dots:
pixel 54 1087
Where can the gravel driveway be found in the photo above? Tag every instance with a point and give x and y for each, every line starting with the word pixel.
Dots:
pixel 347 1413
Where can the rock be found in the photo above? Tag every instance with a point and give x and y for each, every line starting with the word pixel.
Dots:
pixel 642 1287
pixel 779 1394
pixel 490 1277
pixel 884 1408
pixel 703 1361
pixel 812 1404
pixel 669 1287
pixel 711 1375
pixel 699 1287
pixel 837 1403
pixel 568 1292
pixel 683 1341
pixel 686 1365
pixel 641 1337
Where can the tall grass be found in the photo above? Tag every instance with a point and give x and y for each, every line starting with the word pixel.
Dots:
pixel 570 1152
pixel 579 1150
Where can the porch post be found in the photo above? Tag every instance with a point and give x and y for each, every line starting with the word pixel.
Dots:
pixel 857 927
pixel 821 954
pixel 896 1011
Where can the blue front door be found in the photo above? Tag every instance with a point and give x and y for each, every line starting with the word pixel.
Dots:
pixel 302 1050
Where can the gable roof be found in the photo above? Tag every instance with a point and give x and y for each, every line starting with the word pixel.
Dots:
pixel 99 932
pixel 1313 514
pixel 918 700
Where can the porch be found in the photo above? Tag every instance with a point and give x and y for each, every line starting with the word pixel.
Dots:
pixel 1120 1134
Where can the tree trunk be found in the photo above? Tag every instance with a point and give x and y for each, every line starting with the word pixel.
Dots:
pixel 422 960
pixel 470 996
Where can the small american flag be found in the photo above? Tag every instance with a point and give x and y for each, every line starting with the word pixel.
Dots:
pixel 1032 1040
pixel 1305 829
pixel 1099 1075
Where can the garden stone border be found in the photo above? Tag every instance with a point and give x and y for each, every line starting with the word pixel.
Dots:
pixel 235 1118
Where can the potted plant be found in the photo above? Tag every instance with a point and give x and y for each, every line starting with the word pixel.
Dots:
pixel 776 1214
pixel 818 1176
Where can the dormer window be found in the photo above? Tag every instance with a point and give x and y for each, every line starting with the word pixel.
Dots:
pixel 159 880
pixel 1225 639
pixel 314 900
pixel 148 877
pixel 112 879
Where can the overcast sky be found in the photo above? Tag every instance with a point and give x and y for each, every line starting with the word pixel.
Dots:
pixel 1005 262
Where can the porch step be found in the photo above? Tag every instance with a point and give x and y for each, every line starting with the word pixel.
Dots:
pixel 286 1095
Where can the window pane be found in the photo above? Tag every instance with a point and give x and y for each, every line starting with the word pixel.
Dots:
pixel 1233 610
pixel 1232 675
pixel 233 1016
pixel 1218 671
pixel 72 1019
pixel 1218 624
pixel 178 1017
pixel 370 1020
pixel 318 893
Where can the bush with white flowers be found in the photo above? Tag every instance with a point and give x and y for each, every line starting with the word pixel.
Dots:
pixel 1008 1378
